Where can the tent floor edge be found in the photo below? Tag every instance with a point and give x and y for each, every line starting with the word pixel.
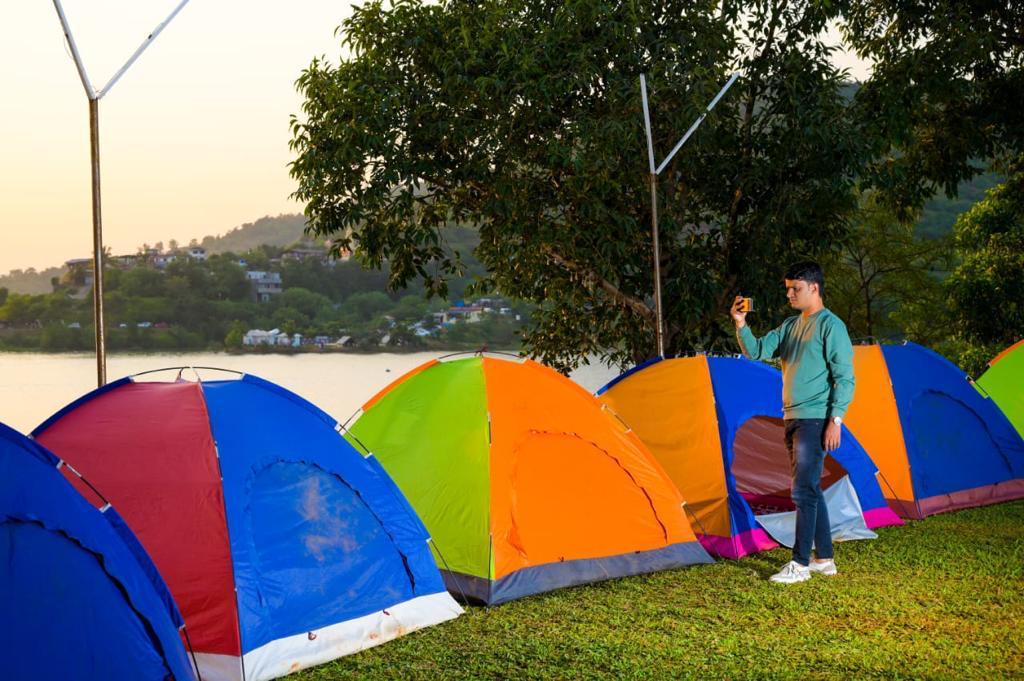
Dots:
pixel 551 576
pixel 986 495
pixel 467 589
pixel 290 654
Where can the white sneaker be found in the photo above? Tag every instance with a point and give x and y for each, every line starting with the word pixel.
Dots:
pixel 827 567
pixel 791 573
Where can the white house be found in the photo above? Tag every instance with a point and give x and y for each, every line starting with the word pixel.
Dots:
pixel 264 284
pixel 254 337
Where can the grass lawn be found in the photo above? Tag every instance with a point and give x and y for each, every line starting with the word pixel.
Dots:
pixel 938 598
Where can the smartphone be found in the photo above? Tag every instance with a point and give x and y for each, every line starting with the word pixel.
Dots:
pixel 747 305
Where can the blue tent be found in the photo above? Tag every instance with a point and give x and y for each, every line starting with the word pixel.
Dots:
pixel 79 598
pixel 953 448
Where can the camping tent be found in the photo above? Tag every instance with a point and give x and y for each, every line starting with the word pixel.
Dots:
pixel 715 424
pixel 939 444
pixel 525 483
pixel 283 546
pixel 79 598
pixel 1003 381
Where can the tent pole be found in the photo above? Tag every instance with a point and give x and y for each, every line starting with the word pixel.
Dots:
pixel 97 245
pixel 659 319
pixel 659 331
pixel 94 147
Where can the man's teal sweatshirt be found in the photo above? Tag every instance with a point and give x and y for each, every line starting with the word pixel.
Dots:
pixel 817 363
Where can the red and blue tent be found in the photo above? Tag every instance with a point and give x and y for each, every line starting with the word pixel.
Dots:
pixel 282 544
pixel 79 598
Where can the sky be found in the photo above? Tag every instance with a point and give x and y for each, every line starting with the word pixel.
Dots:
pixel 193 138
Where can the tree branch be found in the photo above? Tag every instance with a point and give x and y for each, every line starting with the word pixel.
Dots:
pixel 591 279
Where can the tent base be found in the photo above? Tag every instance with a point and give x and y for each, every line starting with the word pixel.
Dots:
pixel 739 545
pixel 292 653
pixel 987 495
pixel 881 517
pixel 978 496
pixel 541 578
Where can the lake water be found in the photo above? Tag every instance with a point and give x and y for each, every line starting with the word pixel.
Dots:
pixel 34 386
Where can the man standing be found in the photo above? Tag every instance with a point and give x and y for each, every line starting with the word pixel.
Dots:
pixel 817 387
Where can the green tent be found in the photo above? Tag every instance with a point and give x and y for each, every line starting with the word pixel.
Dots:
pixel 1004 383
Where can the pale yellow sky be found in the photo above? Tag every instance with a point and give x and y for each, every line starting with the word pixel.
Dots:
pixel 193 139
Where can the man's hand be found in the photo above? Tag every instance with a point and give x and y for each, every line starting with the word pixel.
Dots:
pixel 833 433
pixel 738 316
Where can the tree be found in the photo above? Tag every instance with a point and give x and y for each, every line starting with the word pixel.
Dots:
pixel 986 290
pixel 946 91
pixel 307 302
pixel 363 307
pixel 233 341
pixel 883 281
pixel 411 309
pixel 141 282
pixel 523 119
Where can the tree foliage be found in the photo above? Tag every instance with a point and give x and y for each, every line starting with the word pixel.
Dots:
pixel 946 92
pixel 986 290
pixel 884 282
pixel 523 118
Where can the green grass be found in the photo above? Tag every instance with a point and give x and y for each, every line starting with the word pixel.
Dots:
pixel 938 598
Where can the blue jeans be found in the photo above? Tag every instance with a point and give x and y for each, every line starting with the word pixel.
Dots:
pixel 805 442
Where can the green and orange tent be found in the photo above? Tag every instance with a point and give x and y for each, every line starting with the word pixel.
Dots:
pixel 1003 381
pixel 524 480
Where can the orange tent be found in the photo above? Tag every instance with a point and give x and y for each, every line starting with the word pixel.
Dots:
pixel 525 482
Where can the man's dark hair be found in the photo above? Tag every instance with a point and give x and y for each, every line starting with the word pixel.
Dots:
pixel 808 271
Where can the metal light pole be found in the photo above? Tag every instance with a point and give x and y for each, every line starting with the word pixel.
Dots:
pixel 655 171
pixel 94 148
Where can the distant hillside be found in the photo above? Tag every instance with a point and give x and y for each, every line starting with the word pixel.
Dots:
pixel 940 213
pixel 282 230
pixel 30 280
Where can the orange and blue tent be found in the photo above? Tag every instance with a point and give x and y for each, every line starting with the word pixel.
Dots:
pixel 283 545
pixel 79 598
pixel 524 481
pixel 715 424
pixel 940 445
pixel 1003 382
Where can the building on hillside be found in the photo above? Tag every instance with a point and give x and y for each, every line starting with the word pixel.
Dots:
pixel 162 260
pixel 77 281
pixel 265 285
pixel 469 314
pixel 196 253
pixel 304 253
pixel 126 262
